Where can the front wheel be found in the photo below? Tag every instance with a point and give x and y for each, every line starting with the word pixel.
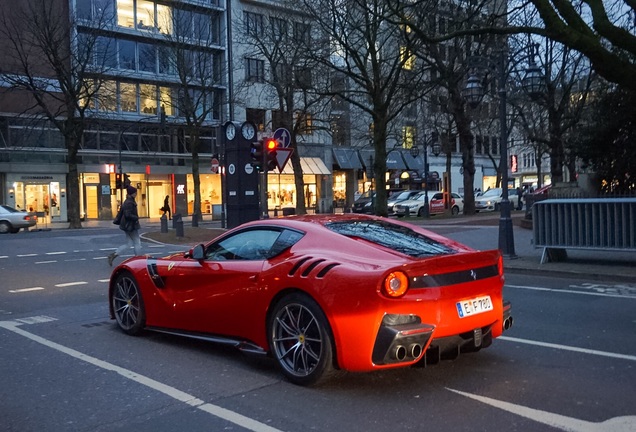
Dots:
pixel 300 340
pixel 128 304
pixel 455 210
pixel 5 227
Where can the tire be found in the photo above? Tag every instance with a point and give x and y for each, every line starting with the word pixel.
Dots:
pixel 128 304
pixel 497 206
pixel 5 227
pixel 420 212
pixel 455 210
pixel 300 340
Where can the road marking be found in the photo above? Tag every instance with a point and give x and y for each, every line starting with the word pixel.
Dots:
pixel 4 256
pixel 55 253
pixel 217 411
pixel 45 262
pixel 27 255
pixel 571 291
pixel 569 348
pixel 616 424
pixel 74 260
pixel 68 284
pixel 103 280
pixel 26 290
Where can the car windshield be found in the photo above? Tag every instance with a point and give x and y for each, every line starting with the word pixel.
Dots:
pixel 395 237
pixel 492 192
pixel 403 195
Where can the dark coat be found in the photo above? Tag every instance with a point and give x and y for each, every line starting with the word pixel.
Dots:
pixel 130 217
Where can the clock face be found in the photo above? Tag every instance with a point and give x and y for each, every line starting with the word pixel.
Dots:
pixel 248 130
pixel 230 131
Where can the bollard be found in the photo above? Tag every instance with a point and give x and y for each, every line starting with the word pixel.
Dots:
pixel 195 219
pixel 175 218
pixel 179 228
pixel 164 224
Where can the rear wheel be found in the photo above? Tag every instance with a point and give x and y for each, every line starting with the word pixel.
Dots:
pixel 455 210
pixel 5 227
pixel 300 340
pixel 128 304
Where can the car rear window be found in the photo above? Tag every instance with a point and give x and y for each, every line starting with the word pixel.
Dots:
pixel 395 237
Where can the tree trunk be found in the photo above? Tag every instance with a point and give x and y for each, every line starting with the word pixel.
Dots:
pixel 379 164
pixel 196 211
pixel 72 177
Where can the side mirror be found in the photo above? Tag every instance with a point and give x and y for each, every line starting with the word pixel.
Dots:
pixel 196 253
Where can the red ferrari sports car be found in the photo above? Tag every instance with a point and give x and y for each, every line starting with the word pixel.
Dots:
pixel 321 293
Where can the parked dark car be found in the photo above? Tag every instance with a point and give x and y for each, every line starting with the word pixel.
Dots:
pixel 364 204
pixel 12 220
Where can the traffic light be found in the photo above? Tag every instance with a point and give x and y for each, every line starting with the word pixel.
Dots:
pixel 271 145
pixel 126 180
pixel 118 181
pixel 256 153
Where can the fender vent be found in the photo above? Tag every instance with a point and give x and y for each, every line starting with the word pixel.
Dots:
pixel 308 264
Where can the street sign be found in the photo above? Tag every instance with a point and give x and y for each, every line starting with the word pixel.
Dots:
pixel 283 137
pixel 215 165
pixel 282 156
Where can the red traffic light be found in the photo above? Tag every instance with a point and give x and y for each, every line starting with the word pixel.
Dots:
pixel 271 144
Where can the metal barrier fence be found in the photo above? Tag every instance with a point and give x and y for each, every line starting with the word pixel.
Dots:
pixel 601 224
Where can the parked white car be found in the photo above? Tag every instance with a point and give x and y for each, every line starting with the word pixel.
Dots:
pixel 415 205
pixel 491 200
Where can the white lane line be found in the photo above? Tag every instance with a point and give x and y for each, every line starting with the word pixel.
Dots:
pixel 27 255
pixel 558 421
pixel 45 262
pixel 55 253
pixel 569 291
pixel 74 260
pixel 569 348
pixel 225 414
pixel 4 256
pixel 103 280
pixel 26 290
pixel 68 284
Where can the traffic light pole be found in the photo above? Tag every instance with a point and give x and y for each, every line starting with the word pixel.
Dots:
pixel 264 172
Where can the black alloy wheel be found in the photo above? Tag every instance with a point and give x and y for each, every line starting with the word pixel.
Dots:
pixel 128 304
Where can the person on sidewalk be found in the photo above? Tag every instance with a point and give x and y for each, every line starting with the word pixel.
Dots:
pixel 128 221
pixel 166 207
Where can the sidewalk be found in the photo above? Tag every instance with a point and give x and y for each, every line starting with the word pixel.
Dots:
pixel 481 231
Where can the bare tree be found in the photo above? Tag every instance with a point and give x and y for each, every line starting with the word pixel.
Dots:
pixel 58 69
pixel 196 95
pixel 377 58
pixel 284 40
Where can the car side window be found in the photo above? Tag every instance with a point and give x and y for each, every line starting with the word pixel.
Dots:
pixel 251 244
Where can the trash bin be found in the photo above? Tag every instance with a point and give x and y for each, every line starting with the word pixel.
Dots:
pixel 289 211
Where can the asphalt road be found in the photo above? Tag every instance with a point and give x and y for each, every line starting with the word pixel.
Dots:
pixel 569 363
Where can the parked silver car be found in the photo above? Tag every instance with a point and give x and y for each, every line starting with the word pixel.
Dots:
pixel 12 220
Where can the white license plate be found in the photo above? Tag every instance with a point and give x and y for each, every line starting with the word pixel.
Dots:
pixel 474 306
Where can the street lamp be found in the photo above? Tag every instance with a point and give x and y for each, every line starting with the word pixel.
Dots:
pixel 474 93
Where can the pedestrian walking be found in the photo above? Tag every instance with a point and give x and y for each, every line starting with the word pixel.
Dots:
pixel 128 221
pixel 166 207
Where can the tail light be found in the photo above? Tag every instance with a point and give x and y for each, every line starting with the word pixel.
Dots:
pixel 395 284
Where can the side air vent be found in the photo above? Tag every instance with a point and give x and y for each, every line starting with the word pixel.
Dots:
pixel 154 274
pixel 309 264
pixel 311 267
pixel 326 269
pixel 298 264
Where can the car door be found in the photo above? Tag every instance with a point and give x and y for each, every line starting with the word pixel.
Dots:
pixel 219 293
pixel 437 203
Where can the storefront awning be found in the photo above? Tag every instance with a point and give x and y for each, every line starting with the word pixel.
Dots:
pixel 394 160
pixel 413 163
pixel 347 158
pixel 309 165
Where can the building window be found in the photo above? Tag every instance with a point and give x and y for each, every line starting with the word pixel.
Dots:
pixel 107 100
pixel 253 24
pixel 254 70
pixel 302 33
pixel 128 97
pixel 105 54
pixel 305 122
pixel 408 136
pixel 165 100
pixel 147 57
pixel 127 55
pixel 302 75
pixel 256 116
pixel 279 28
pixel 148 98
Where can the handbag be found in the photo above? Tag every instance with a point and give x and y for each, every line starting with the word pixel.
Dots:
pixel 117 219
